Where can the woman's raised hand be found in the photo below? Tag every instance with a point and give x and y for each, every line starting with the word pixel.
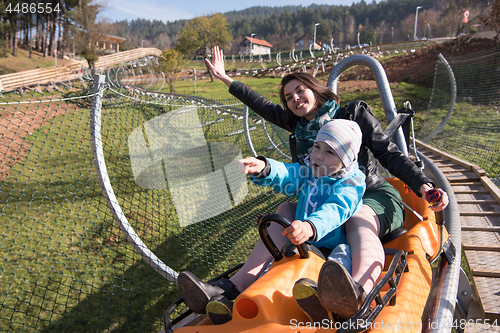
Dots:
pixel 217 67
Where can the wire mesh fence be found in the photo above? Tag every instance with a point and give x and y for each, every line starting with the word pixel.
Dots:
pixel 172 163
pixel 467 125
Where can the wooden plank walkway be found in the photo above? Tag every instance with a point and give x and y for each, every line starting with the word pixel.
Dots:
pixel 479 206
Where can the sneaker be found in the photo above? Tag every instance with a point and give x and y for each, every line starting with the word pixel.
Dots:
pixel 305 294
pixel 338 292
pixel 219 310
pixel 197 294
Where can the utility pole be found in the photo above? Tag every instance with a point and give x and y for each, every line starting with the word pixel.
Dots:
pixel 416 19
pixel 315 25
pixel 392 39
pixel 55 44
pixel 251 45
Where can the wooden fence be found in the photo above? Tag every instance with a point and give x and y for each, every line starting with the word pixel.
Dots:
pixel 13 81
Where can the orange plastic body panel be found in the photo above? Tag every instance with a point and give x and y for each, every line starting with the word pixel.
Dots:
pixel 269 299
pixel 268 305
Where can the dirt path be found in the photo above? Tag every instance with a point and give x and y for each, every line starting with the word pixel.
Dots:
pixel 17 122
pixel 413 65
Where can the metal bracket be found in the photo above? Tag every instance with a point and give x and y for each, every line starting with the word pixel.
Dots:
pixel 464 297
pixel 449 251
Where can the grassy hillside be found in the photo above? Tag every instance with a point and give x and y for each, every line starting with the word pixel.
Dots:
pixel 22 62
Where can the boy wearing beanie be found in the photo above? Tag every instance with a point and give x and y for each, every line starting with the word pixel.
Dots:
pixel 329 188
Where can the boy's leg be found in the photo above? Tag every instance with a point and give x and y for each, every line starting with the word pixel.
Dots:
pixel 305 291
pixel 341 292
pixel 342 253
pixel 367 253
pixel 260 258
pixel 197 294
pixel 287 209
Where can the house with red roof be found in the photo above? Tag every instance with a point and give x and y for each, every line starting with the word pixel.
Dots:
pixel 257 46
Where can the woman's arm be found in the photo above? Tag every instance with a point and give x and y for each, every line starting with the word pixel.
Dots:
pixel 274 113
pixel 390 157
pixel 385 151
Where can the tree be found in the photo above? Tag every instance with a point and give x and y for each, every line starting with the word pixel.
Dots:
pixel 324 32
pixel 204 32
pixel 89 30
pixel 492 20
pixel 10 20
pixel 430 24
pixel 299 29
pixel 4 29
pixel 170 63
pixel 350 31
pixel 454 17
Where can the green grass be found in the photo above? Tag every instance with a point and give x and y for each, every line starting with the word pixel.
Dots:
pixel 269 87
pixel 22 61
pixel 65 264
pixel 471 127
pixel 55 231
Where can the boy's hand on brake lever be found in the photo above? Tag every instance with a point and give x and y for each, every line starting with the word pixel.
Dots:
pixel 299 232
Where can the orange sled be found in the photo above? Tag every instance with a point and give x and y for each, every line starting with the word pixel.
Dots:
pixel 396 303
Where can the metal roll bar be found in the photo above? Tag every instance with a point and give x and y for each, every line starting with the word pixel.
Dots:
pixel 382 85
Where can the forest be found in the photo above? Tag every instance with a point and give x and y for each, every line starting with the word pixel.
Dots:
pixel 64 26
pixel 51 26
pixel 376 23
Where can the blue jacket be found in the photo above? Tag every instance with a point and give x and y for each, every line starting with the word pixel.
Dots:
pixel 326 202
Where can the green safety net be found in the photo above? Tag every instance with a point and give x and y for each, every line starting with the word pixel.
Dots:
pixel 467 126
pixel 172 164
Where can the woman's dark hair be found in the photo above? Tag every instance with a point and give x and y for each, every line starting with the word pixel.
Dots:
pixel 321 93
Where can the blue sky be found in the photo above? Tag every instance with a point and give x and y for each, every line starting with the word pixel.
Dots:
pixel 169 10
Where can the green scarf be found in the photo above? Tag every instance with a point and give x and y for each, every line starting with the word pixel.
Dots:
pixel 306 131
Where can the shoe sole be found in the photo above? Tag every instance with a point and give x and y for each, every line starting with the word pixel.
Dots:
pixel 219 312
pixel 306 298
pixel 336 291
pixel 192 293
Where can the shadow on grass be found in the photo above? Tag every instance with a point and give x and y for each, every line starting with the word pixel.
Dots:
pixel 137 300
